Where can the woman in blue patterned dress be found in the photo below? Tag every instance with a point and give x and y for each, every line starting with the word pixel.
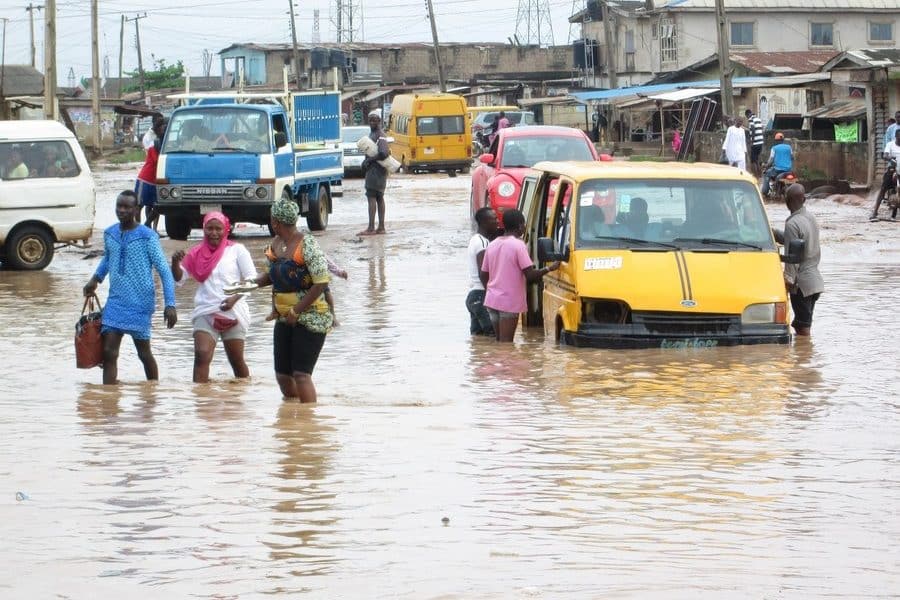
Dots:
pixel 130 253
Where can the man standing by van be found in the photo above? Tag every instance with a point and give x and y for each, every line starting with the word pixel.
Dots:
pixel 803 280
pixel 479 319
pixel 376 175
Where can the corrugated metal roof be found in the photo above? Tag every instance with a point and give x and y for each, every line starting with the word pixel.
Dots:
pixel 866 58
pixel 840 110
pixel 783 62
pixel 22 80
pixel 783 5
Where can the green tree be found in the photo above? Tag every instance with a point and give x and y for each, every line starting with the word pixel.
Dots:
pixel 161 77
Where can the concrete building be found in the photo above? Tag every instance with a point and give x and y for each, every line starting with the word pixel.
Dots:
pixel 654 37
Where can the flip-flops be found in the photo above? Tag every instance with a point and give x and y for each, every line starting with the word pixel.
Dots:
pixel 240 287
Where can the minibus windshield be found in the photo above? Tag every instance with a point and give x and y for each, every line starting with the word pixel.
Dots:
pixel 217 129
pixel 688 214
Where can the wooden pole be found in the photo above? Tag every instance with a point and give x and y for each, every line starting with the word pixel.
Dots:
pixel 50 110
pixel 137 39
pixel 724 61
pixel 437 48
pixel 95 78
pixel 121 54
pixel 296 51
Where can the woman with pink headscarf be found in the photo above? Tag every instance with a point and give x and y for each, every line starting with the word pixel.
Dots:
pixel 215 263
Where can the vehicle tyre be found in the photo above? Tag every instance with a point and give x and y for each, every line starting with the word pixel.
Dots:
pixel 465 170
pixel 178 227
pixel 29 248
pixel 317 217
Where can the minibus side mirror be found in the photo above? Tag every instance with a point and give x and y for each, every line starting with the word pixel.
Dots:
pixel 794 252
pixel 280 139
pixel 546 249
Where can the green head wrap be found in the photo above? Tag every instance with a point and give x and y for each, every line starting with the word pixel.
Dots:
pixel 285 211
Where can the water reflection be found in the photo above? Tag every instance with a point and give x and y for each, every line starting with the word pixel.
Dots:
pixel 303 518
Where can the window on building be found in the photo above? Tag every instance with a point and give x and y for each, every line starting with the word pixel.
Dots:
pixel 881 32
pixel 741 33
pixel 821 34
pixel 668 42
pixel 629 50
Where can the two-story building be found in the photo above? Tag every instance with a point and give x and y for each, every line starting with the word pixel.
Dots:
pixel 654 37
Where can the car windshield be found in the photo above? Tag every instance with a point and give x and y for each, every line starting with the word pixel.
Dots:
pixel 525 151
pixel 688 214
pixel 217 129
pixel 350 135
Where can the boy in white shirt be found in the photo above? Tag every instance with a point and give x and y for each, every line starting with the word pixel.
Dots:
pixel 480 320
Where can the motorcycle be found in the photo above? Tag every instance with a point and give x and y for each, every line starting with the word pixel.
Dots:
pixel 480 141
pixel 778 184
pixel 892 195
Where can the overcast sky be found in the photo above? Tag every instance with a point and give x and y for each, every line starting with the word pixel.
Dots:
pixel 183 31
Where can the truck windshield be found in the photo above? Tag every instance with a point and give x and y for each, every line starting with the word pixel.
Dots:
pixel 690 214
pixel 218 129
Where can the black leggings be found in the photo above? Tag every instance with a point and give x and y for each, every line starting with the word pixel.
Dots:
pixel 296 349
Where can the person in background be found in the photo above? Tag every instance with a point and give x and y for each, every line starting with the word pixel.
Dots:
pixel 215 263
pixel 15 167
pixel 891 152
pixel 376 175
pixel 505 269
pixel 298 274
pixel 892 128
pixel 503 122
pixel 145 186
pixel 131 252
pixel 735 145
pixel 781 161
pixel 150 136
pixel 676 141
pixel 479 319
pixel 803 280
pixel 755 127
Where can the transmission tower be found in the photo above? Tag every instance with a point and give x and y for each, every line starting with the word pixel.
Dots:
pixel 207 62
pixel 346 18
pixel 533 24
pixel 316 37
pixel 71 77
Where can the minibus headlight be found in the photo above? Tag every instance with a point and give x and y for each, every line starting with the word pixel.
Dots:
pixel 506 189
pixel 262 192
pixel 163 192
pixel 248 192
pixel 176 193
pixel 762 313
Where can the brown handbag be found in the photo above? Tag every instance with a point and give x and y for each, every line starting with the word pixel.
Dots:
pixel 88 342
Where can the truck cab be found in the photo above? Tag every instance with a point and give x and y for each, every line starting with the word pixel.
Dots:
pixel 238 153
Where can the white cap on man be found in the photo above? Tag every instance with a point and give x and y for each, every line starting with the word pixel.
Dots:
pixel 375 113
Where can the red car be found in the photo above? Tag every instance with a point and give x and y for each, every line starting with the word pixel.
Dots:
pixel 497 180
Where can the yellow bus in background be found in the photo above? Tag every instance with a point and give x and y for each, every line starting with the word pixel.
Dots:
pixel 431 132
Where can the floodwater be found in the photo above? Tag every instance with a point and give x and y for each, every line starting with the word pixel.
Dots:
pixel 439 466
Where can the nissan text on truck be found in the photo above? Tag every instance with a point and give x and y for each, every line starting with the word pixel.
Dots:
pixel 239 152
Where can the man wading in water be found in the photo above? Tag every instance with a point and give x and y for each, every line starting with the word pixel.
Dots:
pixel 376 175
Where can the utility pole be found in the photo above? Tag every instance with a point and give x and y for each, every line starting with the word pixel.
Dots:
pixel 437 48
pixel 121 55
pixel 611 45
pixel 31 8
pixel 50 110
pixel 137 39
pixel 724 61
pixel 296 51
pixel 3 71
pixel 95 78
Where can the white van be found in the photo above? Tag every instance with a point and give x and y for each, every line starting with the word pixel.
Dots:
pixel 46 192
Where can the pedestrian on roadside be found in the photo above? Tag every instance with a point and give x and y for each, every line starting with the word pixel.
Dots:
pixel 892 128
pixel 215 263
pixel 376 175
pixel 891 152
pixel 131 252
pixel 802 280
pixel 755 127
pixel 150 138
pixel 505 270
pixel 145 186
pixel 479 319
pixel 735 145
pixel 298 274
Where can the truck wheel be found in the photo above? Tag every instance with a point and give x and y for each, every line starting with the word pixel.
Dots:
pixel 29 248
pixel 317 217
pixel 178 227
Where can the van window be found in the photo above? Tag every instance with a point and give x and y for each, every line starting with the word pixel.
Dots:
pixel 440 125
pixel 218 129
pixel 52 158
pixel 696 215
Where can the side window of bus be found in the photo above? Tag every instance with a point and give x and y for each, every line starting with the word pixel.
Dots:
pixel 561 222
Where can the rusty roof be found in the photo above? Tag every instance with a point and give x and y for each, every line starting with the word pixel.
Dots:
pixel 783 63
pixel 846 109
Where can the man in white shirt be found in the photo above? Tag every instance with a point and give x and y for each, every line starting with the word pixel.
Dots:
pixel 735 145
pixel 891 151
pixel 480 320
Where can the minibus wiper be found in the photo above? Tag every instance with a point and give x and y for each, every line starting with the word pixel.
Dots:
pixel 719 242
pixel 631 240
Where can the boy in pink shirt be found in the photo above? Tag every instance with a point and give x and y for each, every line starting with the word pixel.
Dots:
pixel 505 270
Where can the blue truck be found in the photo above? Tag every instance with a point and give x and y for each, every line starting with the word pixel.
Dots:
pixel 237 153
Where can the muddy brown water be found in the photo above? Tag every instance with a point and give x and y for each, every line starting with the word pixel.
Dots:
pixel 438 466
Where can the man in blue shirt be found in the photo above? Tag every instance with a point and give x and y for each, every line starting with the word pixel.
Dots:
pixel 781 161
